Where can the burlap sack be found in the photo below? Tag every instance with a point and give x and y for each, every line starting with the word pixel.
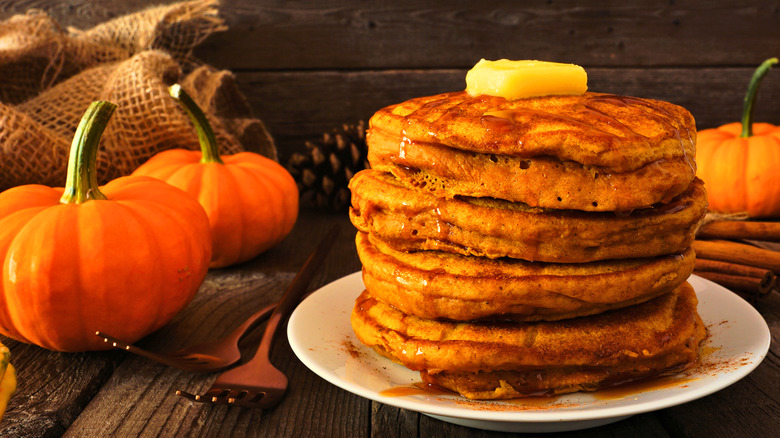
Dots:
pixel 217 93
pixel 19 164
pixel 175 28
pixel 147 120
pixel 35 134
pixel 36 53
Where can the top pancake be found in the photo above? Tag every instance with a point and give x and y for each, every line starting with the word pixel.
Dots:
pixel 591 152
pixel 620 134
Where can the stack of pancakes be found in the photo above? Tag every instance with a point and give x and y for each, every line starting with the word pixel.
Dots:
pixel 529 246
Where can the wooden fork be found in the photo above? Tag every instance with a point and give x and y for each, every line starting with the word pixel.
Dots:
pixel 258 383
pixel 209 356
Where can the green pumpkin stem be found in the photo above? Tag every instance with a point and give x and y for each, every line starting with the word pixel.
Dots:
pixel 81 183
pixel 750 97
pixel 208 141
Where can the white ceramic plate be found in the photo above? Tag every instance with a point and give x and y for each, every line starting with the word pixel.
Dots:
pixel 321 336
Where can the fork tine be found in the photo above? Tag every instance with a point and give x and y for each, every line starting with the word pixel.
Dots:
pixel 212 396
pixel 186 394
pixel 257 397
pixel 241 397
pixel 216 393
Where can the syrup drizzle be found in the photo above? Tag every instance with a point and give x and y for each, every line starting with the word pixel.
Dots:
pixel 616 392
pixel 657 113
pixel 631 389
pixel 417 388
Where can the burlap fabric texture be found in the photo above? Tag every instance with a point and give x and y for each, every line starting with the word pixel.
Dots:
pixel 48 77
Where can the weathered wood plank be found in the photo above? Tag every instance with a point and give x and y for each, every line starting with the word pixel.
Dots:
pixel 52 389
pixel 81 14
pixel 443 34
pixel 641 426
pixel 440 34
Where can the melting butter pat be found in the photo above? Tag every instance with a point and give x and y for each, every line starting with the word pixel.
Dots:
pixel 519 79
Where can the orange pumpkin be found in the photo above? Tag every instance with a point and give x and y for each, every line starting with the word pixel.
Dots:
pixel 739 162
pixel 251 201
pixel 123 258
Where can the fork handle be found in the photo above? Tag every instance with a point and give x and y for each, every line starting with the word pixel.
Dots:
pixel 249 324
pixel 295 291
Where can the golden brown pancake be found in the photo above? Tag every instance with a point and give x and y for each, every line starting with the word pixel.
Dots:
pixel 506 360
pixel 592 152
pixel 434 284
pixel 411 220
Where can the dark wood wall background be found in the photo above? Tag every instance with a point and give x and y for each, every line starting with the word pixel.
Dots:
pixel 308 66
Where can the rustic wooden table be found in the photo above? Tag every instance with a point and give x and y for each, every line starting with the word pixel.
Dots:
pixel 114 393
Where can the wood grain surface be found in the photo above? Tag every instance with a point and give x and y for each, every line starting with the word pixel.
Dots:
pixel 309 66
pixel 377 34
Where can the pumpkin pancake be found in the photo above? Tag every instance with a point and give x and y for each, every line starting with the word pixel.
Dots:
pixel 496 360
pixel 592 152
pixel 409 220
pixel 434 284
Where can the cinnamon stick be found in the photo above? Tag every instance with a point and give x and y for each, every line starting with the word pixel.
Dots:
pixel 767 231
pixel 751 287
pixel 730 268
pixel 740 253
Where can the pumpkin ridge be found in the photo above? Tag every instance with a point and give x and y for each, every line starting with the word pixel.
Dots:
pixel 235 185
pixel 34 267
pixel 217 194
pixel 128 194
pixel 153 252
pixel 246 182
pixel 270 195
pixel 165 166
pixel 173 222
pixel 182 177
pixel 8 231
pixel 274 181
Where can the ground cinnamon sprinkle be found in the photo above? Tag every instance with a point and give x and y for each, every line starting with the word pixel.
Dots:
pixel 710 363
pixel 352 349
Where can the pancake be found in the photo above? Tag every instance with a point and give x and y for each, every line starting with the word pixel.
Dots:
pixel 412 220
pixel 507 360
pixel 434 284
pixel 592 152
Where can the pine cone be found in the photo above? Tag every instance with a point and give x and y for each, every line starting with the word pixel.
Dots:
pixel 324 171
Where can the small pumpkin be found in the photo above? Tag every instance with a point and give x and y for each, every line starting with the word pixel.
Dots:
pixel 251 200
pixel 7 379
pixel 123 258
pixel 739 162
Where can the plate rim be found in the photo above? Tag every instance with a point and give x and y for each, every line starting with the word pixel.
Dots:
pixel 549 415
